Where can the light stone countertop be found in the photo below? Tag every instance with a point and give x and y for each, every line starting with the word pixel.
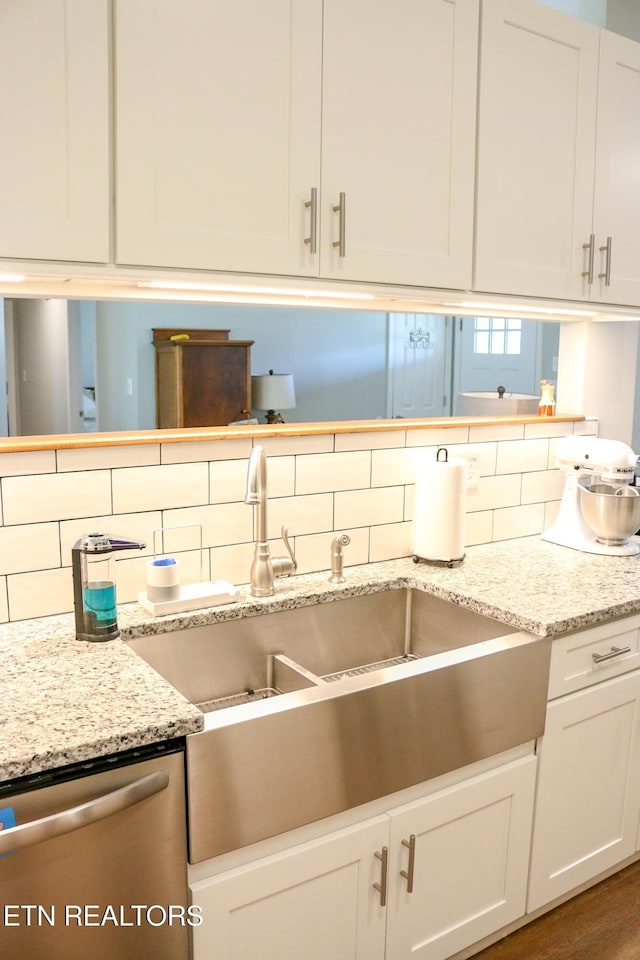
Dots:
pixel 64 700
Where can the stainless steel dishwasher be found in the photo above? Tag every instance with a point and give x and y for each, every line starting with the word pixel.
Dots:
pixel 95 865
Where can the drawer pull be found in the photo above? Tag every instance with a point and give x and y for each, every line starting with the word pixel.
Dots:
pixel 614 652
pixel 408 873
pixel 382 886
pixel 341 209
pixel 312 205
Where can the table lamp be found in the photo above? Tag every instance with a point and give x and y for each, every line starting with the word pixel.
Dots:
pixel 273 391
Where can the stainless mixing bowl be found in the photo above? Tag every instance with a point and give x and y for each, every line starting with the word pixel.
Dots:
pixel 613 513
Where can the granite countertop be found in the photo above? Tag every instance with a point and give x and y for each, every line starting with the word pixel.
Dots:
pixel 65 700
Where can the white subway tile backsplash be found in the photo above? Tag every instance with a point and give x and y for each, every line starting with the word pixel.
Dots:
pixel 107 458
pixel 286 446
pixel 538 487
pixel 232 563
pixel 29 547
pixel 390 542
pixel 495 492
pixel 227 481
pixel 366 487
pixel 221 523
pixel 585 428
pixel 500 431
pixel 519 456
pixel 52 496
pixel 392 467
pixel 160 488
pixel 23 464
pixel 40 594
pixel 206 450
pixel 326 472
pixel 370 441
pixel 4 605
pixel 514 522
pixel 546 428
pixel 369 507
pixel 478 527
pixel 443 437
pixel 301 514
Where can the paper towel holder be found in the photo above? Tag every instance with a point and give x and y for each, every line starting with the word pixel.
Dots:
pixel 451 562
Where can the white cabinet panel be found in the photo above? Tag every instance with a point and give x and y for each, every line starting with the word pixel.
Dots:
pixel 588 793
pixel 228 117
pixel 470 868
pixel 617 187
pixel 54 116
pixel 316 902
pixel 536 135
pixel 218 133
pixel 398 139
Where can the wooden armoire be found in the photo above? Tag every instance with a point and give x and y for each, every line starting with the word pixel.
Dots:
pixel 203 379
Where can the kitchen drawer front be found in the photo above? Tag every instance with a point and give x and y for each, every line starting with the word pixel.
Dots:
pixel 573 664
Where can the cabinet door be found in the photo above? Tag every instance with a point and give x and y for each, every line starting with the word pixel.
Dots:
pixel 217 133
pixel 617 190
pixel 470 867
pixel 54 117
pixel 315 901
pixel 536 137
pixel 588 793
pixel 398 140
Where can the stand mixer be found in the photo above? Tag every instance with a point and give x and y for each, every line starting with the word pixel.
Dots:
pixel 599 511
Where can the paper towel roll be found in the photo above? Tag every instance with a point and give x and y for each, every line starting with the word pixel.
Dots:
pixel 439 510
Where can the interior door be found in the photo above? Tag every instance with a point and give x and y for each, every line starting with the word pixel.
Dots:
pixel 506 356
pixel 419 365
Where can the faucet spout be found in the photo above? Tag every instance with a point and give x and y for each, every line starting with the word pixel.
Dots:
pixel 264 568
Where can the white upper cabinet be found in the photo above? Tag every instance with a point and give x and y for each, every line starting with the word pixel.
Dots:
pixel 398 140
pixel 239 127
pixel 558 178
pixel 54 117
pixel 616 209
pixel 536 135
pixel 217 133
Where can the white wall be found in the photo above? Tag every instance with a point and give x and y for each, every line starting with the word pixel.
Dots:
pixel 41 340
pixel 594 11
pixel 623 16
pixel 338 359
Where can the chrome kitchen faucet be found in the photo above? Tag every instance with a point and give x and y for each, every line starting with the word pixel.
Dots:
pixel 265 568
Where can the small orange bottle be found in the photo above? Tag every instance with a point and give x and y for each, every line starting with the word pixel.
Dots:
pixel 547 405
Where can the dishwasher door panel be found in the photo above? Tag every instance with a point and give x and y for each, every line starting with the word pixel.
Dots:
pixel 116 888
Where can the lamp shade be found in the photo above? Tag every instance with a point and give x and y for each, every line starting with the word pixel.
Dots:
pixel 273 391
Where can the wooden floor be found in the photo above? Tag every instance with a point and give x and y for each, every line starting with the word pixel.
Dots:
pixel 603 923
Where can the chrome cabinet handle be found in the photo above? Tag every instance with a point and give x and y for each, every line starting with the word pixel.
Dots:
pixel 28 834
pixel 381 887
pixel 606 276
pixel 408 873
pixel 312 239
pixel 340 209
pixel 614 652
pixel 591 247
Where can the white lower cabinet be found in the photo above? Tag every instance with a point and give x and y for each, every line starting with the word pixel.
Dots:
pixel 456 870
pixel 588 793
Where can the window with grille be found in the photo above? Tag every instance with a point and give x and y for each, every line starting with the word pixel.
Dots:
pixel 497 335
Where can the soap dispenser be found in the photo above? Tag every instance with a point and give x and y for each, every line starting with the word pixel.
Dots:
pixel 94 587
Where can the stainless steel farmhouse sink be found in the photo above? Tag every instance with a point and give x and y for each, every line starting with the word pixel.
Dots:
pixel 317 709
